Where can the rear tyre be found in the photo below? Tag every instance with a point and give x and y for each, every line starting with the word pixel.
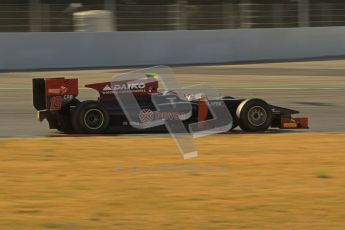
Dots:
pixel 64 117
pixel 90 117
pixel 254 115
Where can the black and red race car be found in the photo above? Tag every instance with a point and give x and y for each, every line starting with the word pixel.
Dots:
pixel 56 100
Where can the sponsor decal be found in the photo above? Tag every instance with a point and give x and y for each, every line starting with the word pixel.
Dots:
pixel 147 115
pixel 68 97
pixel 55 103
pixel 130 86
pixel 61 90
pixel 126 87
pixel 107 90
pixel 215 103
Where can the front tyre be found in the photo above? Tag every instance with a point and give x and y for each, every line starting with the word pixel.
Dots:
pixel 254 115
pixel 90 117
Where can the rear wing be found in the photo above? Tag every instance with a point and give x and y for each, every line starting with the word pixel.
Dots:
pixel 53 93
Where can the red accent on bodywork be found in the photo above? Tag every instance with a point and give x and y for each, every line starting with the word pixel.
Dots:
pixel 202 112
pixel 59 91
pixel 294 123
pixel 55 103
pixel 61 86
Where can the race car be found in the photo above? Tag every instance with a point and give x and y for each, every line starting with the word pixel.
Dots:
pixel 55 99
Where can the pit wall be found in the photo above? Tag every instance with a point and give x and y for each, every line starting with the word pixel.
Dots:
pixel 25 51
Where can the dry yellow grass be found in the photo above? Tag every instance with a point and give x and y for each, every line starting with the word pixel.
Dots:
pixel 271 181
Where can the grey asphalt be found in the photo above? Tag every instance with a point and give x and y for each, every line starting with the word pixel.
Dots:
pixel 315 88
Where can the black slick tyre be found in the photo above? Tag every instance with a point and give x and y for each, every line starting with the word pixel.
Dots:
pixel 254 115
pixel 90 117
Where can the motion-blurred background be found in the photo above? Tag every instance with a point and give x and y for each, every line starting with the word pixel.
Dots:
pixel 148 15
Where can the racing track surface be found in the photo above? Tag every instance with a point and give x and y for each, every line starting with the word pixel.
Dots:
pixel 316 88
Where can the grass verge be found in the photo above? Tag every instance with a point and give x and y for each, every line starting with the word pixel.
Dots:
pixel 270 181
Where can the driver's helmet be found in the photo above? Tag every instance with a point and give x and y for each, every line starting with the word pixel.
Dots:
pixel 149 75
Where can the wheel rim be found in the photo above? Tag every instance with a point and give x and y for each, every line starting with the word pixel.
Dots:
pixel 93 119
pixel 257 116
